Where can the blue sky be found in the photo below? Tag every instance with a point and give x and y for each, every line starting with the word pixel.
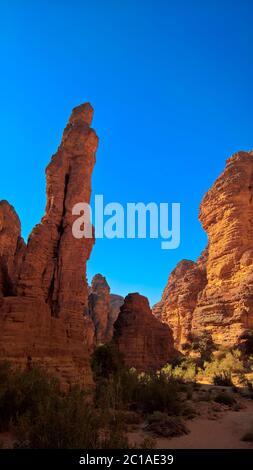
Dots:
pixel 171 84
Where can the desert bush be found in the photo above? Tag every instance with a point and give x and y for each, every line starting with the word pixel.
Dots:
pixel 203 344
pixel 43 416
pixel 188 411
pixel 248 436
pixel 65 421
pixel 141 392
pixel 156 392
pixel 106 360
pixel 23 391
pixel 225 398
pixel 166 426
pixel 223 378
pixel 184 370
pixel 226 365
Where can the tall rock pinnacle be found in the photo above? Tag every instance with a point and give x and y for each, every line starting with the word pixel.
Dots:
pixel 52 291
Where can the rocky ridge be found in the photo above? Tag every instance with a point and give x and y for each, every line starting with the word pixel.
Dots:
pixel 214 296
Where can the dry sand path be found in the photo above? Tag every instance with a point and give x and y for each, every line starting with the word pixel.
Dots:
pixel 223 433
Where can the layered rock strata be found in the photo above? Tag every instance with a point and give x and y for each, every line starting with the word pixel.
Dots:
pixel 215 295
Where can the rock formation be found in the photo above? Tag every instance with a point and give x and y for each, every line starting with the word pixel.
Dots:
pixel 12 249
pixel 116 301
pixel 215 295
pixel 103 308
pixel 44 302
pixel 145 342
pixel 179 299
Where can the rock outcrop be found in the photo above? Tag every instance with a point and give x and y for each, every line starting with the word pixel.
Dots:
pixel 103 308
pixel 12 249
pixel 44 303
pixel 179 299
pixel 145 342
pixel 215 295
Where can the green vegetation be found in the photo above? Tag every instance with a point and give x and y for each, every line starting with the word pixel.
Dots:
pixel 40 415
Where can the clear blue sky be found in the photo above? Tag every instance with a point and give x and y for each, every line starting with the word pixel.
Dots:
pixel 171 84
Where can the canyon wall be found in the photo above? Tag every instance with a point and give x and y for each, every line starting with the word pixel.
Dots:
pixel 215 295
pixel 43 287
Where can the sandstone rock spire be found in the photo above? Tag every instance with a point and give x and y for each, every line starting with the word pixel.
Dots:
pixel 104 308
pixel 47 319
pixel 12 248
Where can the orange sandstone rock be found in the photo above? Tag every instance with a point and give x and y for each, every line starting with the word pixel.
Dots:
pixel 47 319
pixel 144 341
pixel 103 308
pixel 12 249
pixel 215 295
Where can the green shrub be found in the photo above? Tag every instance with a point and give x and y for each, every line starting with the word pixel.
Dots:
pixel 106 360
pixel 184 370
pixel 23 391
pixel 65 421
pixel 227 364
pixel 144 393
pixel 203 344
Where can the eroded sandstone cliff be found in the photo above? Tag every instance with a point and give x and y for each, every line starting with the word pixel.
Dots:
pixel 215 294
pixel 145 342
pixel 43 288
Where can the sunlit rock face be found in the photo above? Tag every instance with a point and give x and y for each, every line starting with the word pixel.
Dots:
pixel 215 294
pixel 145 342
pixel 45 317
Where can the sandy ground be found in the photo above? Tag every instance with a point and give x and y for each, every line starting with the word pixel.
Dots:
pixel 215 427
pixel 222 432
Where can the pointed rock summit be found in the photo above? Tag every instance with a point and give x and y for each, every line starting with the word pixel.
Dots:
pixel 44 303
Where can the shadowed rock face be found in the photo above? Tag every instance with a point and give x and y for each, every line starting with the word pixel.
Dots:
pixel 12 248
pixel 103 308
pixel 215 295
pixel 145 342
pixel 47 318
